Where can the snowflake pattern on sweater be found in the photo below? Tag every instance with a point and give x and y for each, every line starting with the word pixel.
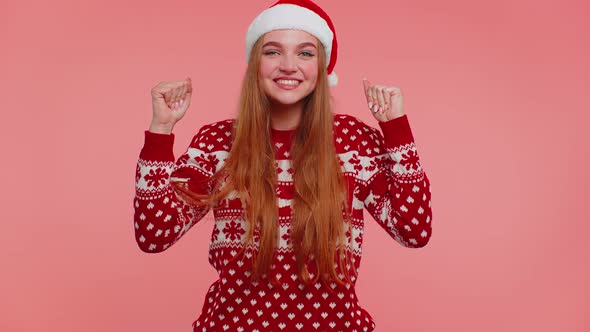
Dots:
pixel 388 181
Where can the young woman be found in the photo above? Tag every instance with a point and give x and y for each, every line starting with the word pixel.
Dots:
pixel 287 181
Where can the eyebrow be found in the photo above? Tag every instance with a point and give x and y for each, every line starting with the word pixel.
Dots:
pixel 273 43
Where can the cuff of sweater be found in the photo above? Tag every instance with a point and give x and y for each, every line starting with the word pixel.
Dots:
pixel 397 131
pixel 158 147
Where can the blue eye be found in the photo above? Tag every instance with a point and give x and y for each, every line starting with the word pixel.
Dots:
pixel 308 54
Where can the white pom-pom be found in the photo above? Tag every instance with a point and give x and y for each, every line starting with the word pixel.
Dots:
pixel 333 79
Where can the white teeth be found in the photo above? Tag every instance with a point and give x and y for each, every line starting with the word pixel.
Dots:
pixel 288 82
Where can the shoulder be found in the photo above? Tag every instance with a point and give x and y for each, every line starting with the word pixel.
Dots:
pixel 215 133
pixel 348 124
pixel 216 127
pixel 368 140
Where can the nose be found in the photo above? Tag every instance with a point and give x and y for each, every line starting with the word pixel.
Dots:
pixel 288 63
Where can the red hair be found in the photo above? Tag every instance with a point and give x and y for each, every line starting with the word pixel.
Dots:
pixel 320 208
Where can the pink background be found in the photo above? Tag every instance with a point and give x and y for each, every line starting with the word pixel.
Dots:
pixel 496 93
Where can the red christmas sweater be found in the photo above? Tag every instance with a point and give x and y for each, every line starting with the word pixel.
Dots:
pixel 388 181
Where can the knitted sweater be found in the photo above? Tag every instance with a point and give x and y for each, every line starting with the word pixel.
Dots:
pixel 388 181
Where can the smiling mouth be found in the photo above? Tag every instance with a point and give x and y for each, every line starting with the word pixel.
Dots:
pixel 287 84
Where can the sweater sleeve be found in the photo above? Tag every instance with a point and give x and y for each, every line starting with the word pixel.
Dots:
pixel 161 216
pixel 395 188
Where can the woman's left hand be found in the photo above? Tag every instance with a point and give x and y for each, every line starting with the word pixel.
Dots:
pixel 385 102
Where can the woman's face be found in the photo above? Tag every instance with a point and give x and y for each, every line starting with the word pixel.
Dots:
pixel 292 55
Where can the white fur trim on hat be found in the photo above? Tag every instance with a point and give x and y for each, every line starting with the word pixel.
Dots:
pixel 288 16
pixel 332 79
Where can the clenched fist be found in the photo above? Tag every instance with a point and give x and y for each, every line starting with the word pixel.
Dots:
pixel 170 100
pixel 385 102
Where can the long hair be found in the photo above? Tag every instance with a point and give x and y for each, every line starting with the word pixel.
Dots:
pixel 320 195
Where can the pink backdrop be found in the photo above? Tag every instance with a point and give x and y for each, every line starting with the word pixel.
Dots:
pixel 496 94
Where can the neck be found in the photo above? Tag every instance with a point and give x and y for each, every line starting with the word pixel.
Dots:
pixel 286 117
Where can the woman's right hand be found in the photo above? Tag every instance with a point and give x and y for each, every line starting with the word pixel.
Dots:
pixel 170 100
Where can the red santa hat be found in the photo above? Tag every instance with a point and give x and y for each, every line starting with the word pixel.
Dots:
pixel 299 15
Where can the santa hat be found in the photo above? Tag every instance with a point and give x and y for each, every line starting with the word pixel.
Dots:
pixel 299 15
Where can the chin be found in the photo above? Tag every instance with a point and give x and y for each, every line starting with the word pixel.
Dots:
pixel 284 97
pixel 283 100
